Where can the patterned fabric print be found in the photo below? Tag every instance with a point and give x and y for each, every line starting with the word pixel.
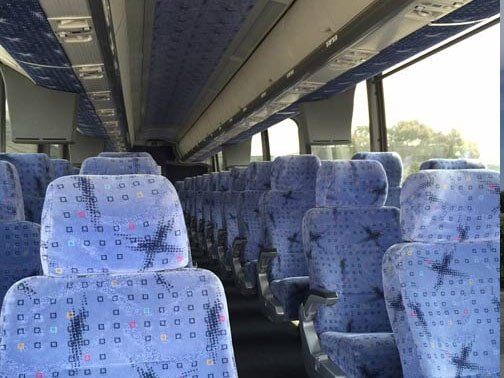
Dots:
pixel 344 250
pixel 62 167
pixel 391 162
pixel 118 166
pixel 296 173
pixel 11 194
pixel 223 181
pixel 94 224
pixel 35 173
pixel 198 200
pixel 394 197
pixel 259 176
pixel 451 164
pixel 231 218
pixel 363 355
pixel 125 154
pixel 451 205
pixel 19 252
pixel 218 217
pixel 443 301
pixel 238 179
pixel 291 293
pixel 282 214
pixel 344 183
pixel 250 223
pixel 75 170
pixel 165 324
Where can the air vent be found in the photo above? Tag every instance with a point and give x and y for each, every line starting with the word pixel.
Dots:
pixel 90 71
pixel 351 58
pixel 113 124
pixel 106 112
pixel 430 10
pixel 100 96
pixel 74 30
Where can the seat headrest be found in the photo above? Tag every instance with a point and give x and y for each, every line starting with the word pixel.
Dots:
pixel 207 177
pixel 294 173
pixel 238 179
pixel 451 164
pixel 214 179
pixel 391 162
pixel 112 224
pixel 118 166
pixel 11 194
pixel 223 181
pixel 351 183
pixel 187 183
pixel 258 176
pixel 62 167
pixel 451 206
pixel 125 154
pixel 198 183
pixel 35 172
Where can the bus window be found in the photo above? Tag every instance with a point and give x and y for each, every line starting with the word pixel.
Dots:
pixel 447 105
pixel 256 153
pixel 284 138
pixel 360 131
pixel 10 146
pixel 220 160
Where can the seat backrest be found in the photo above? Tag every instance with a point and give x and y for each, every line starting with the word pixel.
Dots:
pixel 451 164
pixel 125 154
pixel 236 186
pixel 221 187
pixel 209 186
pixel 62 167
pixel 19 252
pixel 282 208
pixel 108 305
pixel 258 181
pixel 198 200
pixel 345 239
pixel 392 164
pixel 442 284
pixel 118 166
pixel 35 173
pixel 11 195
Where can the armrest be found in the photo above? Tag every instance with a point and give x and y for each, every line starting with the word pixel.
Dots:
pixel 316 299
pixel 265 258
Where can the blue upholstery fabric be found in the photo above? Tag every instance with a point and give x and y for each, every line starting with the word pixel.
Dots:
pixel 125 154
pixel 35 173
pixel 258 176
pixel 358 183
pixel 19 252
pixel 451 206
pixel 290 292
pixel 198 200
pixel 62 167
pixel 442 288
pixel 237 185
pixel 363 355
pixel 153 324
pixel 11 194
pixel 344 246
pixel 451 164
pixel 207 198
pixel 118 166
pixel 75 170
pixel 294 173
pixel 112 224
pixel 392 164
pixel 221 186
pixel 344 250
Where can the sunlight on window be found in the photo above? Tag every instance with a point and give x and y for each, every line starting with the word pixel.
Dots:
pixel 447 106
pixel 256 153
pixel 284 139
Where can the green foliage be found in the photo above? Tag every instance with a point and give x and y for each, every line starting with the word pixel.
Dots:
pixel 416 142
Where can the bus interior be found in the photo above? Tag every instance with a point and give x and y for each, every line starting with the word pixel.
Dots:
pixel 253 188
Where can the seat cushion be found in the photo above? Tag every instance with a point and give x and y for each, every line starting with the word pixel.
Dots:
pixel 164 324
pixel 363 355
pixel 291 292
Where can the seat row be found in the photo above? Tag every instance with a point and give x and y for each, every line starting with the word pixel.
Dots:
pixel 313 235
pixel 116 293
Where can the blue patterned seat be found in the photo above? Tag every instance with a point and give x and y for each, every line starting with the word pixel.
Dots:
pixel 392 164
pixel 19 252
pixel 116 299
pixel 282 209
pixel 62 167
pixel 442 285
pixel 451 164
pixel 208 203
pixel 35 173
pixel 118 166
pixel 11 194
pixel 75 171
pixel 345 238
pixel 218 218
pixel 250 225
pixel 230 209
pixel 125 154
